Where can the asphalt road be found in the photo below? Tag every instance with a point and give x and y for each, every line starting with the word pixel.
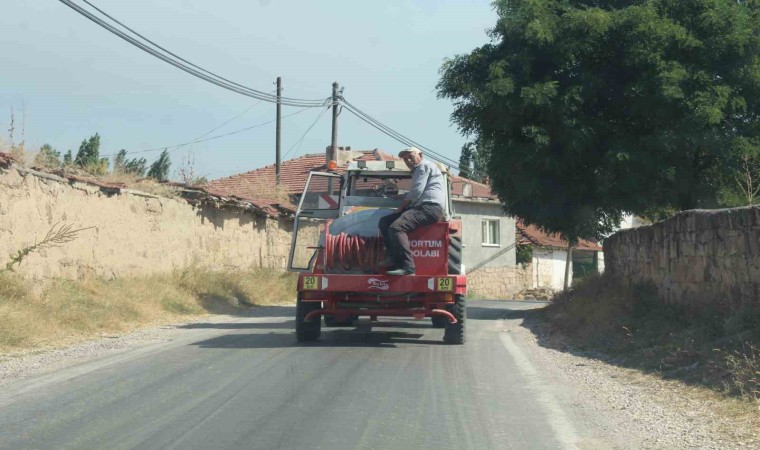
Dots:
pixel 246 384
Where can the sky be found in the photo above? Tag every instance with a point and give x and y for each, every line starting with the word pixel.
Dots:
pixel 66 78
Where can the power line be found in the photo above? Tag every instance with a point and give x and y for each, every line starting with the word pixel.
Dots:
pixel 187 66
pixel 210 138
pixel 300 141
pixel 395 134
pixel 228 121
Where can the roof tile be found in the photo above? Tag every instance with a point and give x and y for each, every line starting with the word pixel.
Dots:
pixel 530 234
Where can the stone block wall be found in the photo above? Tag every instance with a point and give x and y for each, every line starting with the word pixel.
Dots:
pixel 130 233
pixel 502 283
pixel 697 258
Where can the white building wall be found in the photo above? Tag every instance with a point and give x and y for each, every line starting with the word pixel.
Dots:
pixel 475 254
pixel 549 268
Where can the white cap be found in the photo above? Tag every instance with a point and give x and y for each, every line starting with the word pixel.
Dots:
pixel 408 150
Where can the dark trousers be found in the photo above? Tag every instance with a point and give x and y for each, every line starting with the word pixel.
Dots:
pixel 396 227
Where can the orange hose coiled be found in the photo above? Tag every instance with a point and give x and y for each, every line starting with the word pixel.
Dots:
pixel 350 252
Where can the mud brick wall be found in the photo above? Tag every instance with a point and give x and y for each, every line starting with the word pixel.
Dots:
pixel 132 233
pixel 697 258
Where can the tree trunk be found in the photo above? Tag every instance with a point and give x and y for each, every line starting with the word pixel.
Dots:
pixel 568 261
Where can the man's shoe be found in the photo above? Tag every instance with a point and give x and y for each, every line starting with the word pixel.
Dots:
pixel 402 271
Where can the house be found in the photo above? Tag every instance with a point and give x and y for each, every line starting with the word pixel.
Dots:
pixel 489 234
pixel 489 239
pixel 549 256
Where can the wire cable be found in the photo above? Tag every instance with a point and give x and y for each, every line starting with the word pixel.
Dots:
pixel 300 141
pixel 210 138
pixel 182 59
pixel 186 66
pixel 395 134
pixel 398 136
pixel 231 120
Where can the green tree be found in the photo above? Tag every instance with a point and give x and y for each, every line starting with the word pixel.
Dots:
pixel 465 160
pixel 160 167
pixel 120 161
pixel 48 157
pixel 135 166
pixel 68 159
pixel 89 151
pixel 471 163
pixel 586 110
pixel 88 156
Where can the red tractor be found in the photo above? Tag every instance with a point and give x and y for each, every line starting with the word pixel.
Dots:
pixel 337 248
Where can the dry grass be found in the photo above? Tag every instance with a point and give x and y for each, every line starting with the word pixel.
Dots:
pixel 744 366
pixel 18 152
pixel 635 329
pixel 68 311
pixel 132 181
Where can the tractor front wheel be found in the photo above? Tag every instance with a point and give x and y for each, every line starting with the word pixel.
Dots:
pixel 454 333
pixel 307 331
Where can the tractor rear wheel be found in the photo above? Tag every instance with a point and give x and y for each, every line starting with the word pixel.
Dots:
pixel 454 333
pixel 307 331
pixel 439 321
pixel 455 255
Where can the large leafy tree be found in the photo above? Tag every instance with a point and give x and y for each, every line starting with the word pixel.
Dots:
pixel 588 109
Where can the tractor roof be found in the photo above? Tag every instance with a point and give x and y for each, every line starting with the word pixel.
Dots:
pixel 393 167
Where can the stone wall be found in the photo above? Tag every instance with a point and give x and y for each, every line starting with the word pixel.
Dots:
pixel 501 283
pixel 697 258
pixel 129 233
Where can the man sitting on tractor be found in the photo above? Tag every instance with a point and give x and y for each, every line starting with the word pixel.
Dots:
pixel 423 205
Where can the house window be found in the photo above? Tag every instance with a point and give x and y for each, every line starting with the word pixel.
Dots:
pixel 490 232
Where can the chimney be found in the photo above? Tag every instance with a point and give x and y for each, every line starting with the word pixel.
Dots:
pixel 467 190
pixel 342 156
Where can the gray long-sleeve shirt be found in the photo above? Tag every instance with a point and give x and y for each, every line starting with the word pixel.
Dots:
pixel 427 185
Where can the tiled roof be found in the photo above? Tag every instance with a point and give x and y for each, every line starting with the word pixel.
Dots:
pixel 530 234
pixel 259 185
pixel 479 190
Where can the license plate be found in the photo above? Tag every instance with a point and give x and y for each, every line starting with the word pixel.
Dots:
pixel 310 283
pixel 445 284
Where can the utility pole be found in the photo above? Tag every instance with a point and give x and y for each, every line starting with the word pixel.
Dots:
pixel 334 140
pixel 277 162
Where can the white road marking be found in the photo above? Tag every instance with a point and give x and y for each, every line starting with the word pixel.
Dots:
pixel 558 421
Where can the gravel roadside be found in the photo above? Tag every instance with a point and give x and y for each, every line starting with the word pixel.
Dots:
pixel 638 410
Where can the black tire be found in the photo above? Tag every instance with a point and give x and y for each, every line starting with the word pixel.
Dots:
pixel 455 255
pixel 439 321
pixel 331 322
pixel 454 333
pixel 307 331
